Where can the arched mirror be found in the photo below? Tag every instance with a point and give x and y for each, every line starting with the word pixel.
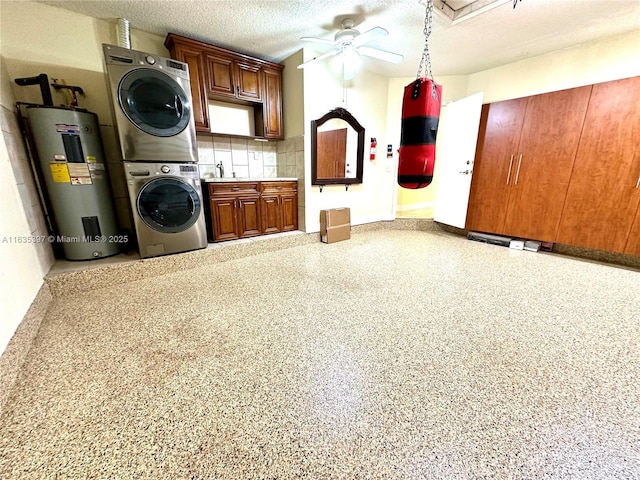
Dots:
pixel 337 149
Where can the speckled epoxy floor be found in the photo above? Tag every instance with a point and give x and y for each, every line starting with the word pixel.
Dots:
pixel 394 355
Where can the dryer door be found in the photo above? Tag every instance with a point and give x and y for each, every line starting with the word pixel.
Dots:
pixel 154 102
pixel 168 205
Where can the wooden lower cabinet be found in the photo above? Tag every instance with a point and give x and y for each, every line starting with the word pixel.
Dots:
pixel 279 206
pixel 247 209
pixel 234 210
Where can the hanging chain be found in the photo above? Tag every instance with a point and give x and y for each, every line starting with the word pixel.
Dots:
pixel 425 61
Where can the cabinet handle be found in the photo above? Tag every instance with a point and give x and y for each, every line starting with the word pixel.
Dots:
pixel 509 172
pixel 518 169
pixel 638 183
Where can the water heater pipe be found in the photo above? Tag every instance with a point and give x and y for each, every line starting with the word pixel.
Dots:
pixel 43 81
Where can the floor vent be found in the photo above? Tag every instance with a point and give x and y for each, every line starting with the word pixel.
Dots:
pixel 488 238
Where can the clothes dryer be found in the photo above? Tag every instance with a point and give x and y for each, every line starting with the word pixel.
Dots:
pixel 166 200
pixel 152 107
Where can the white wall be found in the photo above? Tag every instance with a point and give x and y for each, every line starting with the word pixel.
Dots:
pixel 366 99
pixel 23 264
pixel 37 38
pixel 67 46
pixel 610 59
pixel 453 88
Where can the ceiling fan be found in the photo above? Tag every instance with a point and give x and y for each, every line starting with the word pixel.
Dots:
pixel 350 41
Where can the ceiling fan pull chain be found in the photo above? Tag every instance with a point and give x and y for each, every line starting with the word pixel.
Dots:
pixel 425 61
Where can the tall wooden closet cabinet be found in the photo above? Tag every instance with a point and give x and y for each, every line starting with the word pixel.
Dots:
pixel 537 150
pixel 561 167
pixel 604 194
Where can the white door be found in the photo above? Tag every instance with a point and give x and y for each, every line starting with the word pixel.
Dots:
pixel 457 149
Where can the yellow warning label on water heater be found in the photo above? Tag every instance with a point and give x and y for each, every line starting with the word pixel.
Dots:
pixel 59 172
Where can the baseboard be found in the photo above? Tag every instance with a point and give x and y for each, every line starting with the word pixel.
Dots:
pixel 414 206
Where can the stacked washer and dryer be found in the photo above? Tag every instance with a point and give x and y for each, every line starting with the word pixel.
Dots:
pixel 156 131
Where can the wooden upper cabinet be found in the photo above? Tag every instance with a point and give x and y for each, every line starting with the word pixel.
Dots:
pixel 220 78
pixel 249 81
pixel 601 208
pixel 230 76
pixel 233 79
pixel 269 118
pixel 546 154
pixel 194 60
pixel 493 171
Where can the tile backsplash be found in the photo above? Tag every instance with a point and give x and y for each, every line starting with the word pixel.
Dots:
pixel 249 158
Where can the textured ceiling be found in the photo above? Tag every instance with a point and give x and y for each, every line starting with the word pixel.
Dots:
pixel 272 28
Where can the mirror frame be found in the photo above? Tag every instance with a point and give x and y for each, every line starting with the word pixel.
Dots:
pixel 342 114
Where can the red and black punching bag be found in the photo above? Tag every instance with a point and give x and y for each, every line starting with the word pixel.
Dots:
pixel 420 116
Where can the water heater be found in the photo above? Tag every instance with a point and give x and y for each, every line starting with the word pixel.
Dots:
pixel 71 161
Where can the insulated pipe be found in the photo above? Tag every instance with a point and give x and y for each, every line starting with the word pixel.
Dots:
pixel 124 34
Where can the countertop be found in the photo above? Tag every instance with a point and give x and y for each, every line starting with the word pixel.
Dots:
pixel 248 179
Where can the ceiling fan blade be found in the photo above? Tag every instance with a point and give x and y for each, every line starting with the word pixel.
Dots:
pixel 369 35
pixel 319 58
pixel 380 54
pixel 317 40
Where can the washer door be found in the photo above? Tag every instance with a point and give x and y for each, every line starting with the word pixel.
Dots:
pixel 154 102
pixel 168 205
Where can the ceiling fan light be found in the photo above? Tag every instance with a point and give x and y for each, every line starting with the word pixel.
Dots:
pixel 351 63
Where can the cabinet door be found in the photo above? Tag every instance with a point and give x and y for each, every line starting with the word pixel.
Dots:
pixel 271 213
pixel 249 83
pixel 272 105
pixel 602 199
pixel 220 74
pixel 248 216
pixel 633 242
pixel 223 219
pixel 289 207
pixel 493 172
pixel 550 135
pixel 194 60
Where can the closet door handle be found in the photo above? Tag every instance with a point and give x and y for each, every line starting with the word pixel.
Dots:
pixel 510 165
pixel 518 169
pixel 638 183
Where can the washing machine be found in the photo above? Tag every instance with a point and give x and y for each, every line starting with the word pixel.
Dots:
pixel 152 107
pixel 166 201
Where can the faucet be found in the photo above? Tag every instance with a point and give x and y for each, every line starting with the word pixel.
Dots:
pixel 220 167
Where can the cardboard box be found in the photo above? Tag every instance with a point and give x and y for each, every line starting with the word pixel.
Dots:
pixel 335 225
